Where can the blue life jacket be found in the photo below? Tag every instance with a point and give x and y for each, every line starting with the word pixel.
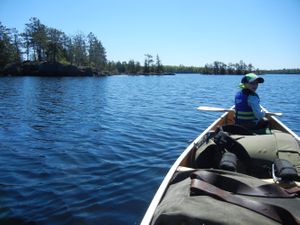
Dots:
pixel 244 112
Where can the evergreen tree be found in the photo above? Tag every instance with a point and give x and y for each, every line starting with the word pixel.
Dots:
pixel 159 66
pixel 9 46
pixel 131 67
pixel 79 50
pixel 68 49
pixel 36 34
pixel 148 63
pixel 97 54
pixel 121 67
pixel 54 44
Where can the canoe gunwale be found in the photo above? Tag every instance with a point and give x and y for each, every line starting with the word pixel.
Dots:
pixel 283 127
pixel 162 188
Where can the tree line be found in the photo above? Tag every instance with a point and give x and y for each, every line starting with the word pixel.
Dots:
pixel 39 43
pixel 216 68
pixel 232 68
pixel 150 66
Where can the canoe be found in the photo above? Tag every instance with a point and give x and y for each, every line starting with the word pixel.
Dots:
pixel 226 151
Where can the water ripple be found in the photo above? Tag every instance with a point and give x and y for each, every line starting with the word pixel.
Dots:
pixel 94 150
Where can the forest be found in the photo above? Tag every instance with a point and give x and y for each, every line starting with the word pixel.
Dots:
pixel 40 49
pixel 43 50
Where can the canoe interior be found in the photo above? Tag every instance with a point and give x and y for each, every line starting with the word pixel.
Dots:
pixel 187 158
pixel 229 118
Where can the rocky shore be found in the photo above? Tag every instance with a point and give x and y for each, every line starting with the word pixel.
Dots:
pixel 28 68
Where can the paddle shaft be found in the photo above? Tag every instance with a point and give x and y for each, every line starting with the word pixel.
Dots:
pixel 217 109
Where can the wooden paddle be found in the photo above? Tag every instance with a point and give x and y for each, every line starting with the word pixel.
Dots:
pixel 217 109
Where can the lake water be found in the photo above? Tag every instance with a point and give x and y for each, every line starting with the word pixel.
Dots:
pixel 93 150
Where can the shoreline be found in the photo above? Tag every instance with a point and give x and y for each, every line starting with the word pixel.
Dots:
pixel 55 69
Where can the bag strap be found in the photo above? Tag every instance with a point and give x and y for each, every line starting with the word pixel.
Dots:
pixel 293 190
pixel 238 187
pixel 274 212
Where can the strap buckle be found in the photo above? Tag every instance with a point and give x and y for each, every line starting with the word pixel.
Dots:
pixel 275 178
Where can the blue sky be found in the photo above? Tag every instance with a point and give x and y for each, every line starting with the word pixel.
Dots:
pixel 265 33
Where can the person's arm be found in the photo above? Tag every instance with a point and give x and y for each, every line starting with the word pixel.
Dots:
pixel 253 102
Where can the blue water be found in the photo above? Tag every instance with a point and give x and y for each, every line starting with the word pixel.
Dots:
pixel 93 150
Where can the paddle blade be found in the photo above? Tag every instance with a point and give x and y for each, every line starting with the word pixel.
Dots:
pixel 274 113
pixel 213 109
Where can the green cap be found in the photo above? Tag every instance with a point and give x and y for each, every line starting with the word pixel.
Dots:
pixel 250 77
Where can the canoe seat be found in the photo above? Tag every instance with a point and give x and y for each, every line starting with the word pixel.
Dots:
pixel 235 129
pixel 243 130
